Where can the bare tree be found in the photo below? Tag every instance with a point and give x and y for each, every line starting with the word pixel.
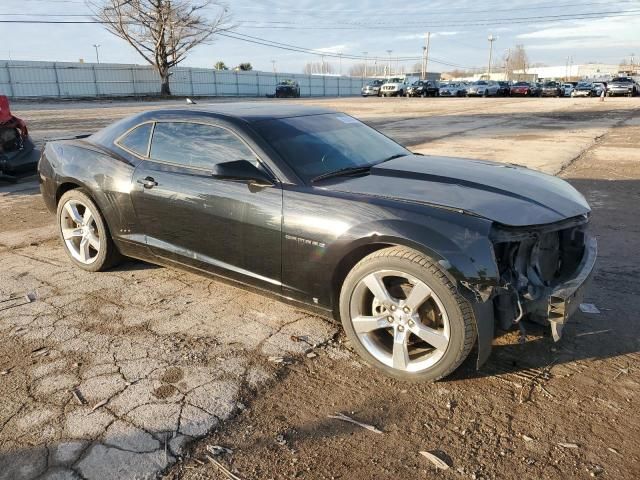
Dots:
pixel 162 31
pixel 516 60
pixel 358 70
pixel 311 68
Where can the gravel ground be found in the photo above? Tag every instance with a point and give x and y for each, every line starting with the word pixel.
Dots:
pixel 134 372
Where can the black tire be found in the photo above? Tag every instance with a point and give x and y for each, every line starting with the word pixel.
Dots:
pixel 108 255
pixel 485 94
pixel 462 336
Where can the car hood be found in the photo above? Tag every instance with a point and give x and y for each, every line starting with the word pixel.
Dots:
pixel 503 193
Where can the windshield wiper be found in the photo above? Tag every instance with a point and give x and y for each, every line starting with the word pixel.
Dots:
pixel 342 171
pixel 397 155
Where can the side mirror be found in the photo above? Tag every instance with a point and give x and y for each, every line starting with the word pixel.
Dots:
pixel 242 171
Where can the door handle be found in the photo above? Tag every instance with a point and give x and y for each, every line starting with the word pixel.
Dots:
pixel 148 182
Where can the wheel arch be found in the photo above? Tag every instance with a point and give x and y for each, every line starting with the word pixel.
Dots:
pixel 360 249
pixel 66 186
pixel 451 265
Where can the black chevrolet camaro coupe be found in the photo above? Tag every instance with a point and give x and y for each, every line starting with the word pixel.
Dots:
pixel 419 257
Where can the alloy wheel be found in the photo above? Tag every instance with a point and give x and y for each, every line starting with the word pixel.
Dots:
pixel 80 232
pixel 400 320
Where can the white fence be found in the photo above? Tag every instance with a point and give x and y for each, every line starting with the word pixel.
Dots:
pixel 22 79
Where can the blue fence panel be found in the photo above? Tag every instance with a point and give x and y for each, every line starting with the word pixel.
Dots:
pixel 23 79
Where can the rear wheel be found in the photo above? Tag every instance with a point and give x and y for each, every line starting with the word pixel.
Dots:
pixel 405 317
pixel 84 233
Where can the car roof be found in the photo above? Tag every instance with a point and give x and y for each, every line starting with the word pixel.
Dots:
pixel 246 111
pixel 233 112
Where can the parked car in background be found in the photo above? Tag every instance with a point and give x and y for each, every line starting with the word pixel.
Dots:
pixel 524 89
pixel 372 88
pixel 583 89
pixel 17 151
pixel 288 88
pixel 453 90
pixel 551 89
pixel 623 86
pixel 567 88
pixel 413 254
pixel 394 87
pixel 504 89
pixel 483 88
pixel 423 88
pixel 599 88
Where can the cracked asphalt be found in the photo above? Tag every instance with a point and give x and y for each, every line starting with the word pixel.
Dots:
pixel 122 374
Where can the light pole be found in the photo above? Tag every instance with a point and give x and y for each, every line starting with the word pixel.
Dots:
pixel 274 65
pixel 364 74
pixel 97 46
pixel 491 40
pixel 389 66
pixel 340 57
pixel 425 56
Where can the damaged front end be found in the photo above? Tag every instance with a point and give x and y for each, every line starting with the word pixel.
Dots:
pixel 543 272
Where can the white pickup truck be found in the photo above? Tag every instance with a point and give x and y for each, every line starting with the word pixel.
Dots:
pixel 397 86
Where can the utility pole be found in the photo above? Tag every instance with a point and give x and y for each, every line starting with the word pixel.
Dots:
pixel 491 40
pixel 507 65
pixel 340 60
pixel 425 51
pixel 96 46
pixel 274 65
pixel 389 68
pixel 364 75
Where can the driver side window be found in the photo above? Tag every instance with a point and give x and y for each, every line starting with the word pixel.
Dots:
pixel 196 145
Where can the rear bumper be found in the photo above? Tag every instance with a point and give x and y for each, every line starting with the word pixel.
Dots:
pixel 564 299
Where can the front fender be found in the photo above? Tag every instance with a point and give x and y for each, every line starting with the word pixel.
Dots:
pixel 462 250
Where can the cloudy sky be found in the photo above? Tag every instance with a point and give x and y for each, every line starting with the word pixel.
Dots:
pixel 588 31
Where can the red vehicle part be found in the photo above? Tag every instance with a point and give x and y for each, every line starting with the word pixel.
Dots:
pixel 7 120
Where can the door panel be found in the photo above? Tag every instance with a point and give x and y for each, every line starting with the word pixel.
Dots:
pixel 230 227
pixel 223 226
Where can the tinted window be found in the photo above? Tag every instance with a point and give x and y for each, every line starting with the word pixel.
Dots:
pixel 137 140
pixel 196 145
pixel 317 144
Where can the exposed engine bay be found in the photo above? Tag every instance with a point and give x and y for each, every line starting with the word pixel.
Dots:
pixel 538 269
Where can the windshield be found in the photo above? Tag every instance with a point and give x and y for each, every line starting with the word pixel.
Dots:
pixel 583 84
pixel 621 80
pixel 395 80
pixel 318 144
pixel 416 84
pixel 521 84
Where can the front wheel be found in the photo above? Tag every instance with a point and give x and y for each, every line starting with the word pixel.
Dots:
pixel 404 316
pixel 84 233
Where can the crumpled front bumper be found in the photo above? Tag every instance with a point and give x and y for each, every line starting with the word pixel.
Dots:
pixel 564 299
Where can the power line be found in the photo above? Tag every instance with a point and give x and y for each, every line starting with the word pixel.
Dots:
pixel 292 25
pixel 288 25
pixel 289 47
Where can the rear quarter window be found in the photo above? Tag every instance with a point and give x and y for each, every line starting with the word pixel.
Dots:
pixel 137 140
